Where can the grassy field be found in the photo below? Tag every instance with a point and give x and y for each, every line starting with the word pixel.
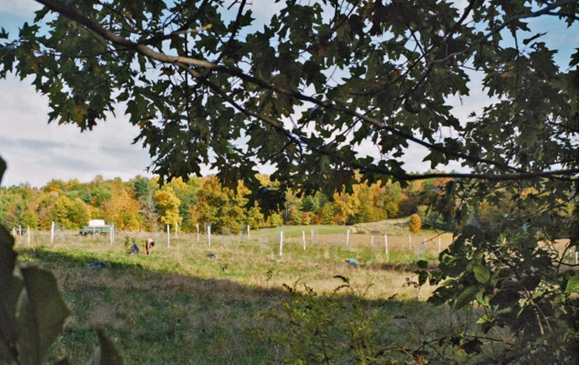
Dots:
pixel 393 227
pixel 181 305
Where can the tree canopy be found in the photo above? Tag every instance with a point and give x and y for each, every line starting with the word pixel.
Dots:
pixel 209 82
pixel 212 82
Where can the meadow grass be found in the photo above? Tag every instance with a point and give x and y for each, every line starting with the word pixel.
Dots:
pixel 181 306
pixel 394 227
pixel 391 227
pixel 296 231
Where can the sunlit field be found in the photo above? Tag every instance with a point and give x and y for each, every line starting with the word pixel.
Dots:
pixel 211 302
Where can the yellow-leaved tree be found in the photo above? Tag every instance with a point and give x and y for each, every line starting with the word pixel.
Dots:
pixel 168 204
pixel 222 207
pixel 123 210
pixel 345 206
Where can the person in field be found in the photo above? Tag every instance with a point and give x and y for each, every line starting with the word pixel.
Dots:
pixel 148 246
pixel 352 263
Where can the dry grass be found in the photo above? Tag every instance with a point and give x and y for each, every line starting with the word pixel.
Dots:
pixel 178 306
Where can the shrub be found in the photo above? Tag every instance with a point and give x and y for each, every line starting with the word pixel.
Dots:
pixel 415 223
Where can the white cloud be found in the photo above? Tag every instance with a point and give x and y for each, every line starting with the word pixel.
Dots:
pixel 19 7
pixel 37 152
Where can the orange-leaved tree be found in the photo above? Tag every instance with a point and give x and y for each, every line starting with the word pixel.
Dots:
pixel 415 223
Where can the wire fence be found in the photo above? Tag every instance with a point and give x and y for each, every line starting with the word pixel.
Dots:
pixel 271 243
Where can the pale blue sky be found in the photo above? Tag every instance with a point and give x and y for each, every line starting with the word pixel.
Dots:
pixel 37 152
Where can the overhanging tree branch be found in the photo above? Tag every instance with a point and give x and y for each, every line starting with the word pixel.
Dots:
pixel 183 62
pixel 497 29
pixel 567 174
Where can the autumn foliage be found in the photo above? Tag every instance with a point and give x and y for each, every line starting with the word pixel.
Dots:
pixel 415 223
pixel 144 204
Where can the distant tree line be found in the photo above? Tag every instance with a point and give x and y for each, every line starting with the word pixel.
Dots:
pixel 143 204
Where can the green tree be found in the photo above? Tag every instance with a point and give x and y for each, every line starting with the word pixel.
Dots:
pixel 346 73
pixel 14 209
pixel 70 214
pixel 255 218
pixel 310 204
pixel 326 213
pixel 276 220
pixel 144 190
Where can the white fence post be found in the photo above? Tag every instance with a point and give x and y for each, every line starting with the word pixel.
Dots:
pixel 281 241
pixel 347 236
pixel 386 246
pixel 20 230
pixel 176 228
pixel 304 240
pixel 248 231
pixel 372 240
pixel 209 235
pixel 52 233
pixel 439 244
pixel 311 236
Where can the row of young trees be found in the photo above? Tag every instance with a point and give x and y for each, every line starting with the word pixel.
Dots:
pixel 144 204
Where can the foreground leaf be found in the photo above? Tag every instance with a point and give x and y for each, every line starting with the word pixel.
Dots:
pixel 41 315
pixel 465 297
pixel 482 274
pixel 106 353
